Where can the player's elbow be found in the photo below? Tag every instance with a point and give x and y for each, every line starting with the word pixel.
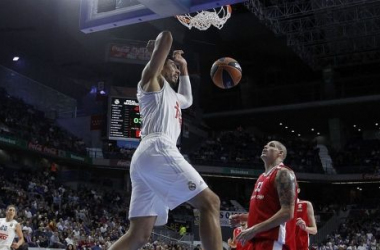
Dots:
pixel 166 33
pixel 314 231
pixel 187 103
pixel 287 214
pixel 166 36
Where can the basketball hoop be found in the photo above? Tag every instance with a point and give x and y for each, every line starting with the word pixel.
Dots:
pixel 205 18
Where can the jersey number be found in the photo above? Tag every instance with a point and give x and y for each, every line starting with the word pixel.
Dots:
pixel 258 187
pixel 178 113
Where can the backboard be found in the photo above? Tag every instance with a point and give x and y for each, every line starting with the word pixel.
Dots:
pixel 97 15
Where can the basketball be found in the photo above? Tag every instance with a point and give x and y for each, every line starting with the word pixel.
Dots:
pixel 226 72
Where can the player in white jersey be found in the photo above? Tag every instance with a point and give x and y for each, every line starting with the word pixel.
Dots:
pixel 9 227
pixel 161 178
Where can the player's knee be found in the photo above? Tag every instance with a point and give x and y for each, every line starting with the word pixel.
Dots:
pixel 212 202
pixel 216 202
pixel 138 237
pixel 142 239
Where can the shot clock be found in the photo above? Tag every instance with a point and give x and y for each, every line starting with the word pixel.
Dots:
pixel 124 121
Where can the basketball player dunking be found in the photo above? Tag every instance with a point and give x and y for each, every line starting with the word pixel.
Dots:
pixel 271 217
pixel 161 178
pixel 9 227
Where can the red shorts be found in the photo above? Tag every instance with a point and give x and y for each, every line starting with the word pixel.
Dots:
pixel 265 245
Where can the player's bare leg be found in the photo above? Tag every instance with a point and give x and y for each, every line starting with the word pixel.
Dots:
pixel 208 204
pixel 137 235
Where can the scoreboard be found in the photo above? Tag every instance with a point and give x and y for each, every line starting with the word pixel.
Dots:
pixel 124 121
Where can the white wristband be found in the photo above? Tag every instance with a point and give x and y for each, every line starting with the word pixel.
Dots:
pixel 184 89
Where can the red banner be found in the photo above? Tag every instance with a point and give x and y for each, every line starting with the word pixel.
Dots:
pixel 97 122
pixel 371 176
pixel 36 147
pixel 43 149
pixel 133 52
pixel 120 163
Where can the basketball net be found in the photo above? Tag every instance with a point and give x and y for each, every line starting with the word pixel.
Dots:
pixel 205 18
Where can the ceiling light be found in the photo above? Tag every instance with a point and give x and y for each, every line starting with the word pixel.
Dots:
pixel 292 131
pixel 93 90
pixel 312 129
pixel 318 133
pixel 16 58
pixel 299 134
pixel 376 124
pixel 280 124
pixel 286 127
pixel 359 129
pixel 354 126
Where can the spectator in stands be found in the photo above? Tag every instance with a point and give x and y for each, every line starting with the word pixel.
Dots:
pixel 182 230
pixel 55 241
pixel 28 239
pixel 69 239
pixel 70 247
pixel 28 213
pixel 22 120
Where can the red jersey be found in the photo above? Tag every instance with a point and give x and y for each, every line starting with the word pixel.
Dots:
pixel 237 231
pixel 264 204
pixel 302 237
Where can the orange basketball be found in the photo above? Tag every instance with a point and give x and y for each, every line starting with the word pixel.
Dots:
pixel 226 72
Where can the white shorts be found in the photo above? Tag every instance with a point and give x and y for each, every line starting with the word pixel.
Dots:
pixel 161 179
pixel 3 247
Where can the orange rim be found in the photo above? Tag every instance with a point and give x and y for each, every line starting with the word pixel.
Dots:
pixel 229 9
pixel 183 19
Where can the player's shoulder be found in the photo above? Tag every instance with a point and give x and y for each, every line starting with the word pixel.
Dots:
pixel 13 223
pixel 302 202
pixel 284 169
pixel 309 204
pixel 283 166
pixel 285 175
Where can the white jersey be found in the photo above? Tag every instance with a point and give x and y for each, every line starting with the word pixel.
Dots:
pixel 7 233
pixel 160 112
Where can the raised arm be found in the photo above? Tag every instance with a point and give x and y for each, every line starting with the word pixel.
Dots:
pixel 184 94
pixel 150 75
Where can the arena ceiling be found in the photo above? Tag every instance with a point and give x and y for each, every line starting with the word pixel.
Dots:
pixel 291 52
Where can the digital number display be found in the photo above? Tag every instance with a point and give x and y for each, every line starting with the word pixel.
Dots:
pixel 124 121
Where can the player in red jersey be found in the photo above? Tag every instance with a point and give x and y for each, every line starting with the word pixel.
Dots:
pixel 233 243
pixel 271 218
pixel 305 223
